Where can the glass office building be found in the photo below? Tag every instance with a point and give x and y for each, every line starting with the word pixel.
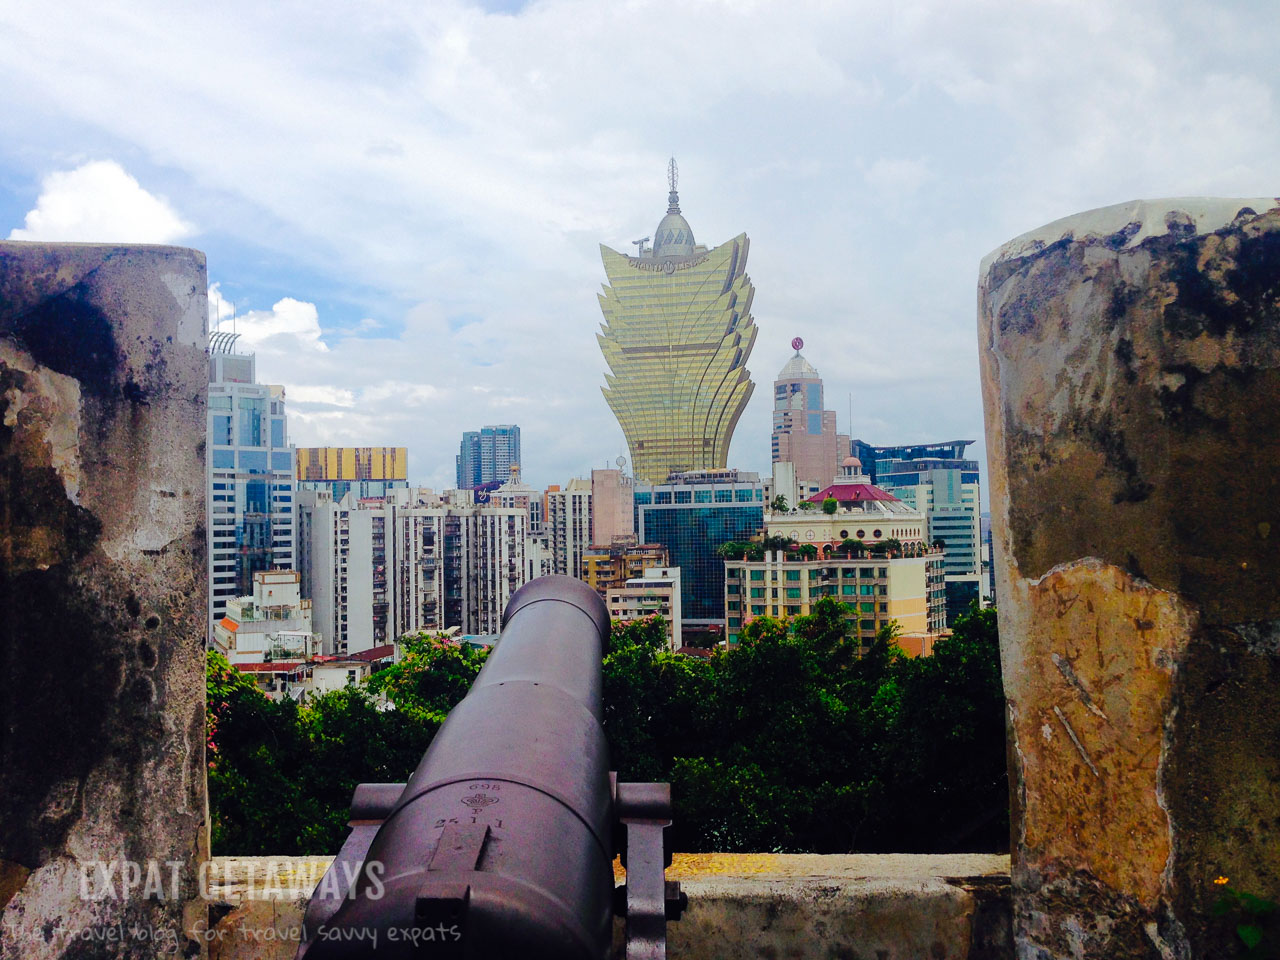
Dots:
pixel 946 490
pixel 692 514
pixel 250 473
pixel 677 333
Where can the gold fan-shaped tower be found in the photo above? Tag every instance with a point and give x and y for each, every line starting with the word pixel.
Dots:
pixel 677 333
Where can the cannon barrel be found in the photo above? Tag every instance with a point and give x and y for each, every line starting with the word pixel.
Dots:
pixel 501 843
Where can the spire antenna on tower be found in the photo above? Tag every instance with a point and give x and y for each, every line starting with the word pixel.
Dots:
pixel 673 174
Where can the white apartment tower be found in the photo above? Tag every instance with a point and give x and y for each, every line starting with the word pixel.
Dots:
pixel 376 570
pixel 569 526
pixel 250 476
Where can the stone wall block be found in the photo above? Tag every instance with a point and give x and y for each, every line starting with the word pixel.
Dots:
pixel 102 598
pixel 1131 380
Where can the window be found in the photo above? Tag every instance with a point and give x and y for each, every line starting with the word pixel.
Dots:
pixel 793 574
pixel 645 497
pixel 684 496
pixel 733 573
pixel 815 573
pixel 868 607
pixel 744 496
pixel 735 621
pixel 867 589
pixel 793 611
pixel 724 496
pixel 793 593
pixel 866 624
pixel 882 572
pixel 757 609
pixel 224 459
pixel 867 573
pixel 757 593
pixel 702 496
pixel 280 461
pixel 220 430
pixel 732 589
pixel 757 574
pixel 848 590
pixel 219 401
pixel 662 496
pixel 255 461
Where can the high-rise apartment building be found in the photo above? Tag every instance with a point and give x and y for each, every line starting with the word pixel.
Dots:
pixel 486 456
pixel 568 526
pixel 654 591
pixel 250 471
pixel 365 471
pixel 609 566
pixel 677 333
pixel 946 491
pixel 376 570
pixel 804 433
pixel 692 514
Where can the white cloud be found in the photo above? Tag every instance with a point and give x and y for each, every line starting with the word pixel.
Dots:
pixel 98 202
pixel 289 326
pixel 323 395
pixel 873 152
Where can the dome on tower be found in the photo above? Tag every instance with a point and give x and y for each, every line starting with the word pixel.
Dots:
pixel 798 368
pixel 674 236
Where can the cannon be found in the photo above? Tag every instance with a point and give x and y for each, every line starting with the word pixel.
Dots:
pixel 502 842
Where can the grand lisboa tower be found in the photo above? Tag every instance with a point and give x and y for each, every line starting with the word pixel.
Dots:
pixel 677 333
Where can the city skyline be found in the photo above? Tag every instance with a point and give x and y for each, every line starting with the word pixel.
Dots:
pixel 406 211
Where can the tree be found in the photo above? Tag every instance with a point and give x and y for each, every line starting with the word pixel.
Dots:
pixel 830 505
pixel 805 505
pixel 779 504
pixel 800 739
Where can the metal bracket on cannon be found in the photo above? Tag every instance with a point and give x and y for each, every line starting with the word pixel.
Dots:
pixel 647 899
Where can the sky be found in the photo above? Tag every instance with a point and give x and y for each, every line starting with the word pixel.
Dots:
pixel 402 203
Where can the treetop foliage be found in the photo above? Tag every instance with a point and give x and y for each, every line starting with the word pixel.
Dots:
pixel 798 740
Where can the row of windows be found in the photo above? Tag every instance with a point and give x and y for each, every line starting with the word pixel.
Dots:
pixel 699 496
pixel 253 461
pixel 847 573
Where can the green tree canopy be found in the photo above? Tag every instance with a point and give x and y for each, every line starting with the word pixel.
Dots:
pixel 800 739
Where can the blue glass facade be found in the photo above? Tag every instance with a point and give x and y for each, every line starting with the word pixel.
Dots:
pixel 691 534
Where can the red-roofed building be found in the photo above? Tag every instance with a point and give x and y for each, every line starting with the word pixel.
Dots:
pixel 872 554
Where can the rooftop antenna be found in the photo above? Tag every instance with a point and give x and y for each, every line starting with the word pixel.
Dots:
pixel 673 180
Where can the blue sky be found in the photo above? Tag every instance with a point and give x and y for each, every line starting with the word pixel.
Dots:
pixel 404 201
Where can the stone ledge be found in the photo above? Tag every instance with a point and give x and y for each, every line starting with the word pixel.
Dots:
pixel 741 906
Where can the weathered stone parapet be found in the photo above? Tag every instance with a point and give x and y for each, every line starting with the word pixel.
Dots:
pixel 102 622
pixel 741 907
pixel 1131 379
